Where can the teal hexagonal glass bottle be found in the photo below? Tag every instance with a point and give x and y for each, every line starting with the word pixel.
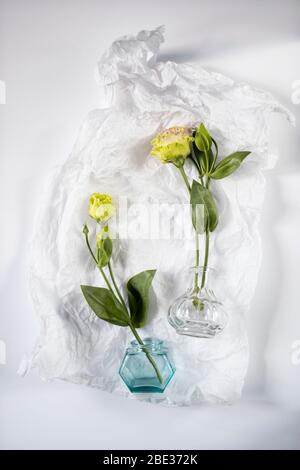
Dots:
pixel 137 370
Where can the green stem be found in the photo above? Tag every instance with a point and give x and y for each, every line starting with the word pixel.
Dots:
pixel 116 286
pixel 196 279
pixel 206 253
pixel 184 177
pixel 148 355
pixel 134 332
pixel 205 258
pixel 105 279
pixel 197 258
pixel 99 267
pixel 89 248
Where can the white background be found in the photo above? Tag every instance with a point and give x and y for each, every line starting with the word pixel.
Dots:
pixel 48 52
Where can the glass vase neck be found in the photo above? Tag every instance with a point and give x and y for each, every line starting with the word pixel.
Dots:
pixel 151 345
pixel 201 276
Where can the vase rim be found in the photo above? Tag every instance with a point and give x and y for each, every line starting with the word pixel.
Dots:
pixel 150 343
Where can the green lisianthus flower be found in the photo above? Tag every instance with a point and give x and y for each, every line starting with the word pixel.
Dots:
pixel 172 145
pixel 101 207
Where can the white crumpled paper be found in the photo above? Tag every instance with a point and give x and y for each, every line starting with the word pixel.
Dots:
pixel 141 96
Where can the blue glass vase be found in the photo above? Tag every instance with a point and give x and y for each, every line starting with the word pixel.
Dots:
pixel 146 368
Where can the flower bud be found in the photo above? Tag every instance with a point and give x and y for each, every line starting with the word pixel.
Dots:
pixel 203 139
pixel 85 229
pixel 101 236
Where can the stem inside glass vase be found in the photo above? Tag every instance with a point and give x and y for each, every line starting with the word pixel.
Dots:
pixel 196 278
pixel 197 257
pixel 205 258
pixel 148 355
pixel 206 252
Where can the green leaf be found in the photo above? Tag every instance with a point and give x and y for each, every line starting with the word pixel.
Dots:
pixel 104 251
pixel 196 156
pixel 210 156
pixel 199 157
pixel 211 207
pixel 203 139
pixel 201 198
pixel 138 297
pixel 105 305
pixel 228 165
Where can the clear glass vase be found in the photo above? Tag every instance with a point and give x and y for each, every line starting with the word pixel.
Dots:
pixel 198 312
pixel 147 369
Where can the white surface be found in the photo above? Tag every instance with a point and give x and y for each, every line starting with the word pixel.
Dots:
pixel 47 56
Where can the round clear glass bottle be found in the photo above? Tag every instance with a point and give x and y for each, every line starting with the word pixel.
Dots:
pixel 198 312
